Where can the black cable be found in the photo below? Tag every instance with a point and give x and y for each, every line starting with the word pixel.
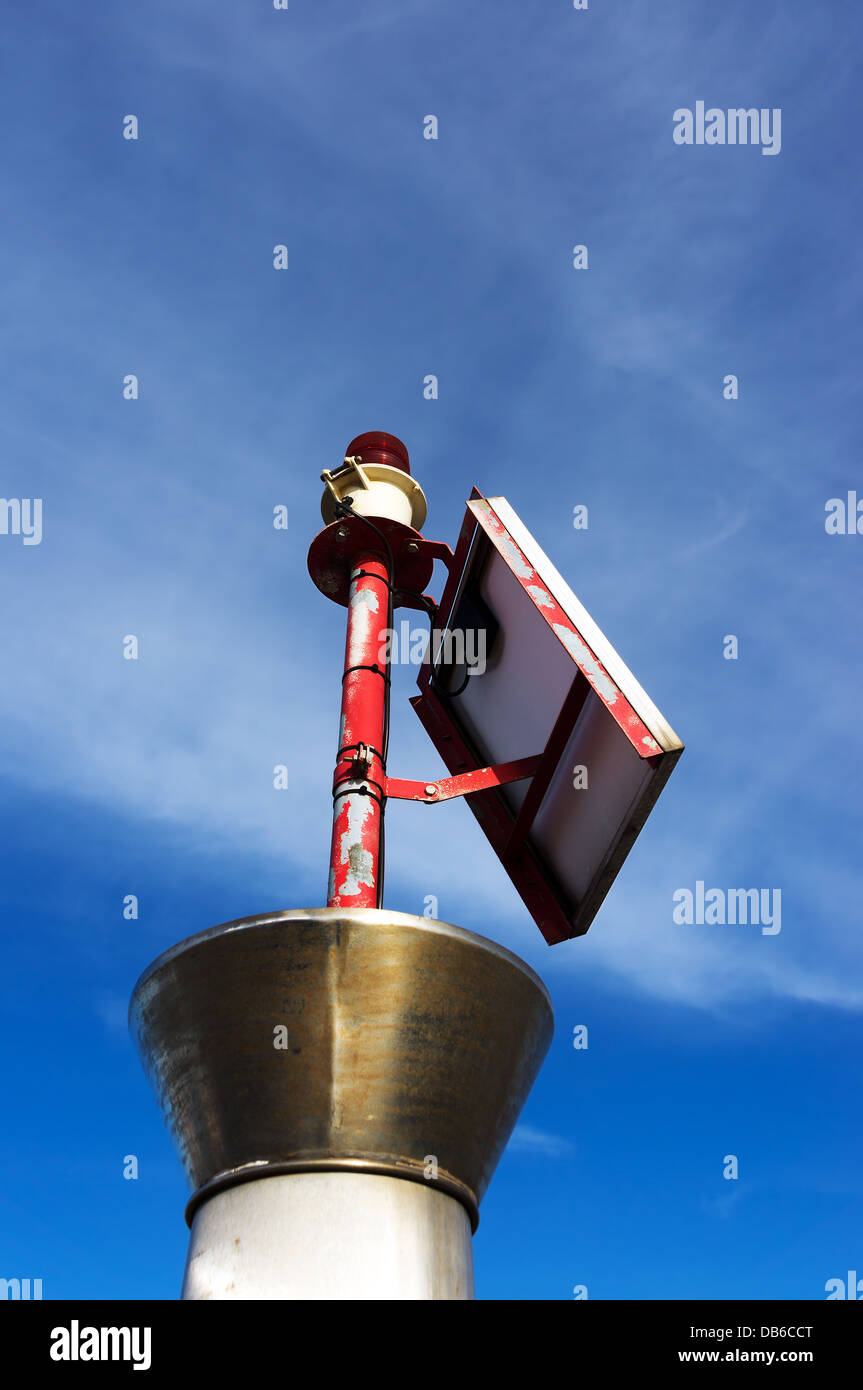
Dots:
pixel 461 689
pixel 426 600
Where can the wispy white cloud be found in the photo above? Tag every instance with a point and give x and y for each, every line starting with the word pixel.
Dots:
pixel 529 1140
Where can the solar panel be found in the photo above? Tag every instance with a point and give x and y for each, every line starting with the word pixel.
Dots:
pixel 534 675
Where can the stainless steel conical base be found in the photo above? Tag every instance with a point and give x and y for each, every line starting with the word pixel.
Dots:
pixel 333 1040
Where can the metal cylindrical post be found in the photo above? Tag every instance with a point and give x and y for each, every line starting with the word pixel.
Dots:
pixel 358 781
pixel 333 1236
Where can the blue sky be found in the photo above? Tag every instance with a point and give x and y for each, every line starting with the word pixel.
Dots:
pixel 557 387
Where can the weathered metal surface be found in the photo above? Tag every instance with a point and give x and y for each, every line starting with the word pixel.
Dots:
pixel 332 552
pixel 358 780
pixel 411 1047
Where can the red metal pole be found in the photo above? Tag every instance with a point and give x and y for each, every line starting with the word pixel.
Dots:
pixel 359 778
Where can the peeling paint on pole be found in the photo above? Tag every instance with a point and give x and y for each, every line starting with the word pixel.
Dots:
pixel 359 779
pixel 357 831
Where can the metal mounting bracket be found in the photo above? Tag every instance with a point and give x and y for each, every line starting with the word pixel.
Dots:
pixel 480 779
